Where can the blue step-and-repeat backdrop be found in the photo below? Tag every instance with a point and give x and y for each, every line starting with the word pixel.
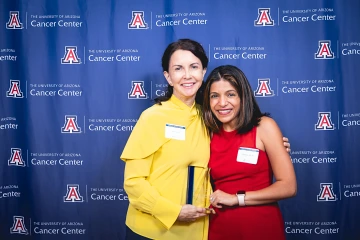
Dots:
pixel 75 76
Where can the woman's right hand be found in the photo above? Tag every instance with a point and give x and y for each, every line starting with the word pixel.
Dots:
pixel 189 213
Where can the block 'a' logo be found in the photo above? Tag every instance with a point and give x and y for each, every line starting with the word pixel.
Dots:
pixel 71 125
pixel 324 50
pixel 326 193
pixel 137 90
pixel 263 89
pixel 16 158
pixel 70 56
pixel 73 193
pixel 137 21
pixel 264 18
pixel 18 226
pixel 324 121
pixel 14 21
pixel 14 90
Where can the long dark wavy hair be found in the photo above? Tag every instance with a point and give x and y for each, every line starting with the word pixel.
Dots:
pixel 188 45
pixel 249 114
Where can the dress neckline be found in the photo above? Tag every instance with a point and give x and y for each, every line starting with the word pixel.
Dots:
pixel 228 134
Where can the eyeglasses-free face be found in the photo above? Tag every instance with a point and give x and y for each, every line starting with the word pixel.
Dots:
pixel 225 103
pixel 185 74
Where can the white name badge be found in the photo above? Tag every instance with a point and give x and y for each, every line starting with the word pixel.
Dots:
pixel 248 155
pixel 174 132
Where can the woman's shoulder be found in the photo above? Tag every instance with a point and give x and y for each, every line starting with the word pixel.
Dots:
pixel 155 111
pixel 268 129
pixel 267 124
pixel 265 120
pixel 150 112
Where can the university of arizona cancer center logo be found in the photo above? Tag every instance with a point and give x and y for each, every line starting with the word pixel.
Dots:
pixel 324 50
pixel 18 226
pixel 326 193
pixel 137 90
pixel 14 90
pixel 71 125
pixel 73 193
pixel 16 158
pixel 137 21
pixel 14 21
pixel 263 89
pixel 324 121
pixel 70 56
pixel 264 18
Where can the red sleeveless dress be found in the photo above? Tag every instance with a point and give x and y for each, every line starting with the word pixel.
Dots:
pixel 262 222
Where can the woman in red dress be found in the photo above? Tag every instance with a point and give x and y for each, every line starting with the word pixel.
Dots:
pixel 246 152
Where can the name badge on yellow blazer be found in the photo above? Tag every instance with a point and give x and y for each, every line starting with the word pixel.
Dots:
pixel 248 155
pixel 174 132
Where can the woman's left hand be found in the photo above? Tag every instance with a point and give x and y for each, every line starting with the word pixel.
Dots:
pixel 220 198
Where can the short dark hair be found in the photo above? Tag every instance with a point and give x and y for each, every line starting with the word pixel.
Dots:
pixel 249 114
pixel 182 44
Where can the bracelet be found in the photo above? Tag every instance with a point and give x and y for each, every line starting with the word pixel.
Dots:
pixel 241 198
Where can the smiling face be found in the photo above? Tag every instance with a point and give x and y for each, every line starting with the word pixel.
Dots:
pixel 225 103
pixel 185 74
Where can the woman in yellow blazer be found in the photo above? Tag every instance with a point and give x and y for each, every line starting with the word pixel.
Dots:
pixel 169 137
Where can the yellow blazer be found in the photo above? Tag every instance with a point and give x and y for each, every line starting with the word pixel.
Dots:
pixel 156 172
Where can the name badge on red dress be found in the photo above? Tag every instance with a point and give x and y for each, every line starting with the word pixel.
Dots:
pixel 247 155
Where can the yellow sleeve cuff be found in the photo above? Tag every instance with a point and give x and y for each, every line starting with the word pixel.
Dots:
pixel 166 211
